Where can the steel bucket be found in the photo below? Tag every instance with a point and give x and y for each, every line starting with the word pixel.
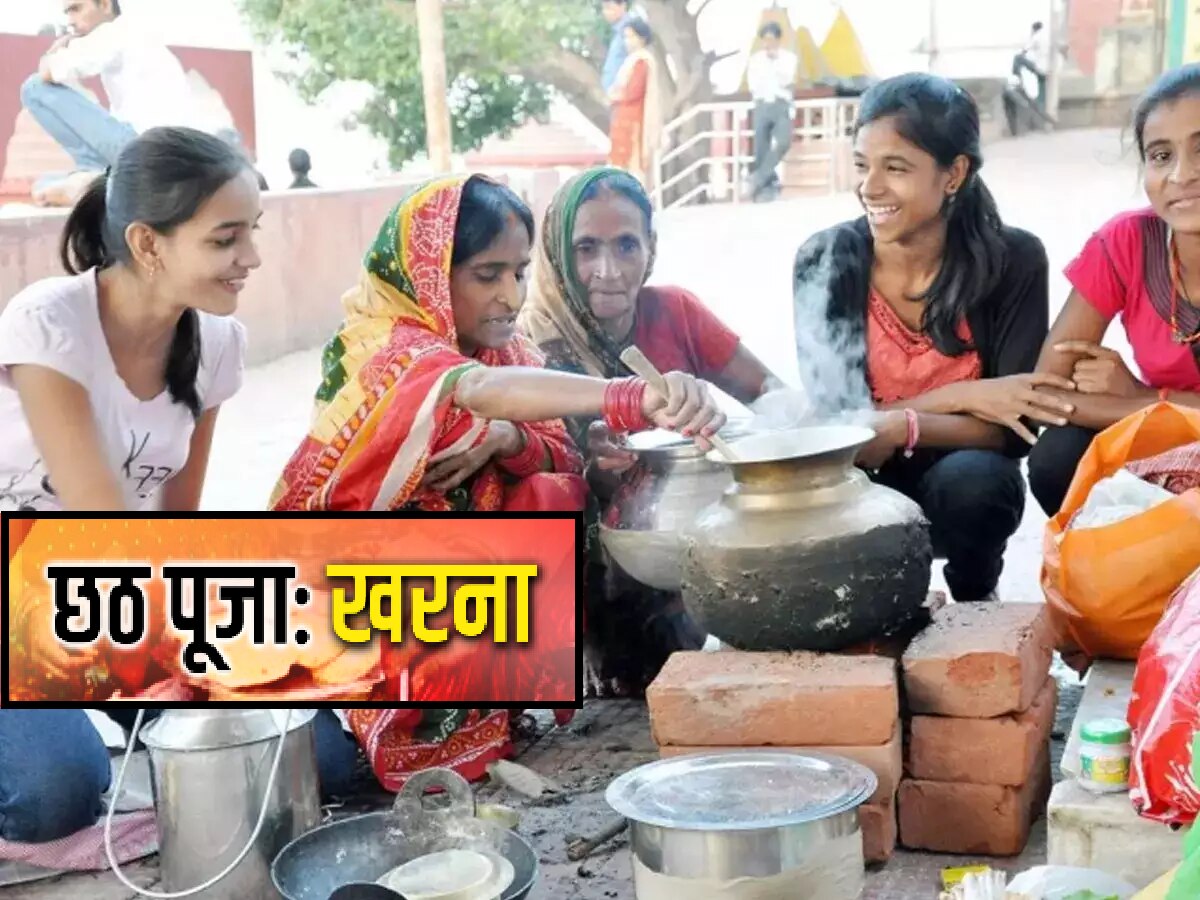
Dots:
pixel 209 772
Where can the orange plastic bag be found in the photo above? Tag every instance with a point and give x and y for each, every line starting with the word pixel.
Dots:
pixel 1107 587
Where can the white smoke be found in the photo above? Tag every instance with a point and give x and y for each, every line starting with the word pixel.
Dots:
pixel 834 390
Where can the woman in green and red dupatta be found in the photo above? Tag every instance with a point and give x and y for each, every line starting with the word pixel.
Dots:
pixel 590 301
pixel 431 400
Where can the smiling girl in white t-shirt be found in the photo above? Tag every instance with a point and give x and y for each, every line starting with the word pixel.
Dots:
pixel 110 381
pixel 110 378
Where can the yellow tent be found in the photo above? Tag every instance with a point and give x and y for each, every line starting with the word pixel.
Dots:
pixel 813 67
pixel 841 55
pixel 810 65
pixel 843 51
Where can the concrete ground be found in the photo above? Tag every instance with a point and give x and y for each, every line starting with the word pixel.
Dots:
pixel 607 738
pixel 738 259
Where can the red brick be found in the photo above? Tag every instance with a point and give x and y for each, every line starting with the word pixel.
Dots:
pixel 982 751
pixel 736 698
pixel 979 661
pixel 879 830
pixel 973 819
pixel 885 760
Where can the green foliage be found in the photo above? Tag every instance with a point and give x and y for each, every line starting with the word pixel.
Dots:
pixel 496 54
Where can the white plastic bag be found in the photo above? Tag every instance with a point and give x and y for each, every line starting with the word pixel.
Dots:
pixel 1120 496
pixel 1059 882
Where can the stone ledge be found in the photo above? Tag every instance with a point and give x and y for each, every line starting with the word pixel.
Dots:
pixel 1101 831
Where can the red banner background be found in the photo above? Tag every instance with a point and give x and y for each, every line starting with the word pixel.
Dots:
pixel 462 671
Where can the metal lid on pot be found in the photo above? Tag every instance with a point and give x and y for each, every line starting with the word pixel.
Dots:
pixel 672 443
pixel 741 791
pixel 206 728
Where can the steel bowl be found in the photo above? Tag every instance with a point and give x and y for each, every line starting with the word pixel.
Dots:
pixel 643 530
pixel 358 850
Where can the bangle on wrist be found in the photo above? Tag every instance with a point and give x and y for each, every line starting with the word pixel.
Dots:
pixel 622 409
pixel 528 460
pixel 913 435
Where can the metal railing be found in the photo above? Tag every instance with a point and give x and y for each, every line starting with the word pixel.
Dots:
pixel 824 125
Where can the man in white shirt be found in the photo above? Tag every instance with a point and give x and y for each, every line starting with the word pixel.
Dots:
pixel 145 83
pixel 1035 58
pixel 772 78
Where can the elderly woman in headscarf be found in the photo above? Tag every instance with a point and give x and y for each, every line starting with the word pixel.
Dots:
pixel 588 303
pixel 431 400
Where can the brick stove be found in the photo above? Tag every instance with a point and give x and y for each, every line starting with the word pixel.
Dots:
pixel 968 773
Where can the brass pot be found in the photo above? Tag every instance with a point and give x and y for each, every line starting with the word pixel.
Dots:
pixel 804 552
pixel 658 500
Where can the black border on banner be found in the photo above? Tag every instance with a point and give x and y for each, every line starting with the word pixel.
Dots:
pixel 580 559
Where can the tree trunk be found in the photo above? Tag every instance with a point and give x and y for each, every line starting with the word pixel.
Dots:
pixel 431 31
pixel 577 80
pixel 676 39
pixel 675 28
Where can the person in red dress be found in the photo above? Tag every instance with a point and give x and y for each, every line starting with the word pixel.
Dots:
pixel 430 400
pixel 937 311
pixel 636 112
pixel 1141 266
pixel 588 302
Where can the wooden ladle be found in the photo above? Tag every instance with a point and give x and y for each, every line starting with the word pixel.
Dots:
pixel 642 367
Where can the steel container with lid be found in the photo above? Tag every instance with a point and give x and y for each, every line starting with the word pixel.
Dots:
pixel 720 819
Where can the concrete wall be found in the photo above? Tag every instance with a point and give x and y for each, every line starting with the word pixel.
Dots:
pixel 311 242
pixel 311 245
pixel 1126 59
pixel 1086 20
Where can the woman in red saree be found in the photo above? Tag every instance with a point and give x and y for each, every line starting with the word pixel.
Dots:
pixel 636 126
pixel 431 400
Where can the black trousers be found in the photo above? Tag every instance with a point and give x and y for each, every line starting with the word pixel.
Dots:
pixel 1053 462
pixel 974 501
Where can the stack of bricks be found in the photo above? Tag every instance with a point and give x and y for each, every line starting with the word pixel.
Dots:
pixel 806 702
pixel 977 767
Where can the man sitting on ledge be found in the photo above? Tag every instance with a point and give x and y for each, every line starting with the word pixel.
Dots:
pixel 145 83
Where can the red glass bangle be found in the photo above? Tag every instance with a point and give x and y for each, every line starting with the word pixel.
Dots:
pixel 623 405
pixel 529 460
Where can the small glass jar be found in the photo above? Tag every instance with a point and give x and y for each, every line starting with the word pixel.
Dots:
pixel 1104 756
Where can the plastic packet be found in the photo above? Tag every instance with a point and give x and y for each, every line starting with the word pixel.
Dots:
pixel 1186 884
pixel 1070 883
pixel 1120 496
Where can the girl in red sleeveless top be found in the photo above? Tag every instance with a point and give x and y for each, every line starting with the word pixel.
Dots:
pixel 1143 266
pixel 938 312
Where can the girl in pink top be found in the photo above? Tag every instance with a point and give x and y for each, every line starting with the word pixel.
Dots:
pixel 1144 267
